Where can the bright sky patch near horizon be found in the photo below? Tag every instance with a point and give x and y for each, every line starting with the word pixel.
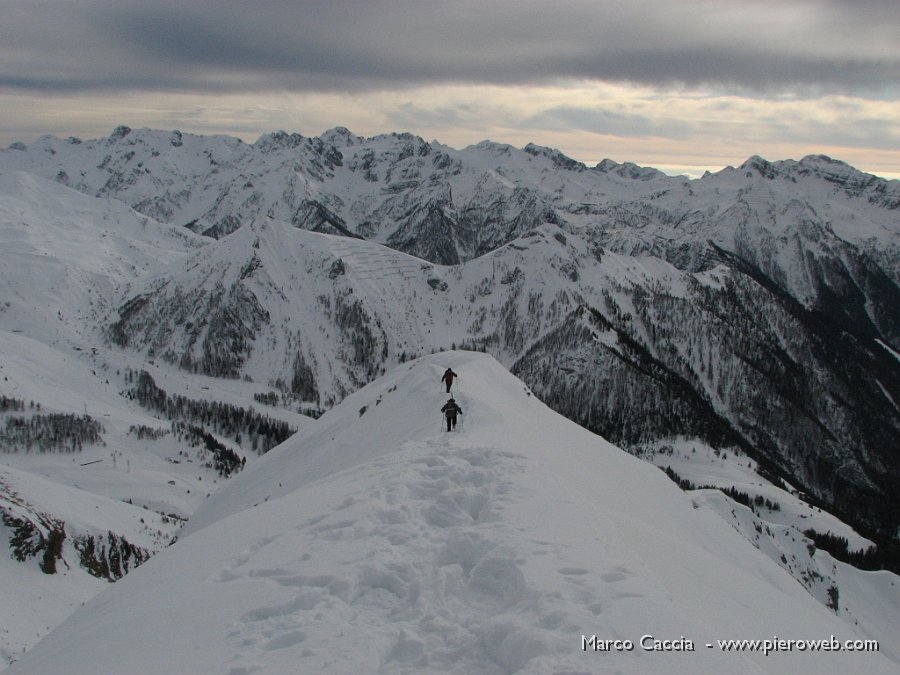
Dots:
pixel 682 86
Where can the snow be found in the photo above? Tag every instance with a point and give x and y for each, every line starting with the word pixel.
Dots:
pixel 65 260
pixel 888 349
pixel 66 256
pixel 868 600
pixel 35 602
pixel 702 465
pixel 373 541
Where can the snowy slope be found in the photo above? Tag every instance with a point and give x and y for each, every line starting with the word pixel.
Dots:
pixel 66 259
pixel 102 539
pixel 776 525
pixel 374 542
pixel 122 492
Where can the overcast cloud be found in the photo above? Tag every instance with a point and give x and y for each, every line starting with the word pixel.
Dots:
pixel 347 44
pixel 757 50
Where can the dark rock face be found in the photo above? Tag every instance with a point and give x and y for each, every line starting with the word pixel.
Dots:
pixel 109 557
pixel 42 539
pixel 429 234
pixel 745 366
pixel 218 327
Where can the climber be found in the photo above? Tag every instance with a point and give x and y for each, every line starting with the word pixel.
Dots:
pixel 451 409
pixel 448 378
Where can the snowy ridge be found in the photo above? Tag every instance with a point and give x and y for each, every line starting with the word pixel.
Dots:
pixel 491 549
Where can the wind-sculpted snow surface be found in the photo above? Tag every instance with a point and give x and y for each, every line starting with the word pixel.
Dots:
pixel 373 541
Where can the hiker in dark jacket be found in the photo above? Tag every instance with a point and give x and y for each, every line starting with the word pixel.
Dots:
pixel 448 378
pixel 451 410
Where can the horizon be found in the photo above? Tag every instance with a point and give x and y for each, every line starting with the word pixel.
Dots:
pixel 692 172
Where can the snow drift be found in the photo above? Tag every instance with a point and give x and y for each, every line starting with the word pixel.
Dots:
pixel 373 541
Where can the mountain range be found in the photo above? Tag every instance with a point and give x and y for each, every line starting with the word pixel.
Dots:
pixel 209 296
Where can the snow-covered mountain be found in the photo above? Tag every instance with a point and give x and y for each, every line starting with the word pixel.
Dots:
pixel 816 229
pixel 170 303
pixel 449 205
pixel 376 542
pixel 814 242
pixel 715 355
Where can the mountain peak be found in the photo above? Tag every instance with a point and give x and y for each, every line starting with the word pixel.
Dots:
pixel 494 147
pixel 759 165
pixel 278 140
pixel 628 170
pixel 120 132
pixel 558 158
pixel 341 136
pixel 823 160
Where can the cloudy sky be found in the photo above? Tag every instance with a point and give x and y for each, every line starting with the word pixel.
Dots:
pixel 682 85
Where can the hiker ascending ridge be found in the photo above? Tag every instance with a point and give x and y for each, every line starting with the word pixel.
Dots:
pixel 448 378
pixel 451 410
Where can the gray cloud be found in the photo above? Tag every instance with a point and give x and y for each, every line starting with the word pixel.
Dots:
pixel 607 120
pixel 346 45
pixel 850 126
